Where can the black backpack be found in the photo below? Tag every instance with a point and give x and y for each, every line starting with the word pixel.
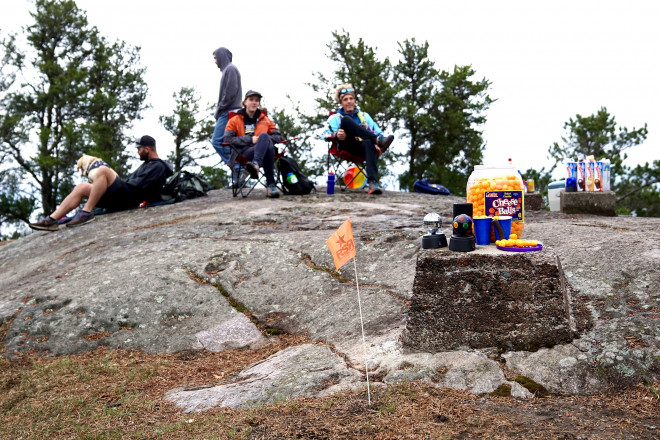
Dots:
pixel 302 184
pixel 184 185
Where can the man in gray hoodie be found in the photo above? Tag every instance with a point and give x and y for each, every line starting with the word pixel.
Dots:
pixel 229 99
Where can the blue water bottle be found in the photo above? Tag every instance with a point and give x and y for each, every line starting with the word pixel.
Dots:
pixel 331 183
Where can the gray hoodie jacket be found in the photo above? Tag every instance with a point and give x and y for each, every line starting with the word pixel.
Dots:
pixel 230 84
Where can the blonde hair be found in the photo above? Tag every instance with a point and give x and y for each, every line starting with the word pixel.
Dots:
pixel 339 95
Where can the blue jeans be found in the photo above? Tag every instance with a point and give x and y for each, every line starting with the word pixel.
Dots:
pixel 219 136
pixel 262 153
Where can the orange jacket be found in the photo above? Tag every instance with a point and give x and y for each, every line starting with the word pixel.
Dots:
pixel 235 130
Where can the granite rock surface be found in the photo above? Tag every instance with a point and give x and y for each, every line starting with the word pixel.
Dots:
pixel 167 278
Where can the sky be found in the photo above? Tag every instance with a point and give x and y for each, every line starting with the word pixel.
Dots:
pixel 547 60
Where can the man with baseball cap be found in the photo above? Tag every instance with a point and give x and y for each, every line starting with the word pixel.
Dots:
pixel 112 192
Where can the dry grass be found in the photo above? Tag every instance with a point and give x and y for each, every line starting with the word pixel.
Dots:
pixel 119 395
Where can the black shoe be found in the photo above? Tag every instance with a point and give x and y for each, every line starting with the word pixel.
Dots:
pixel 253 169
pixel 384 142
pixel 46 224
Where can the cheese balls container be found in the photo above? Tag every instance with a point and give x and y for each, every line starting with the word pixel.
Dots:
pixel 497 191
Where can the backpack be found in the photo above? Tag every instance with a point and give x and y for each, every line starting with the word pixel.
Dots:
pixel 424 186
pixel 183 185
pixel 301 185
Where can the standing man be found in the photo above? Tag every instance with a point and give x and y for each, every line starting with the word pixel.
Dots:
pixel 229 99
pixel 112 192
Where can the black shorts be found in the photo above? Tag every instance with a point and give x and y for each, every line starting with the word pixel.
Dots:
pixel 118 197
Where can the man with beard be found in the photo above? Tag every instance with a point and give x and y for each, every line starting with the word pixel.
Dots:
pixel 112 192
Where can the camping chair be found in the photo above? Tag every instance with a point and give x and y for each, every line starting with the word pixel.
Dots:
pixel 341 161
pixel 242 183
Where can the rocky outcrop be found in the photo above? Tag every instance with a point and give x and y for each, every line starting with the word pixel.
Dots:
pixel 489 298
pixel 183 276
pixel 590 202
pixel 292 372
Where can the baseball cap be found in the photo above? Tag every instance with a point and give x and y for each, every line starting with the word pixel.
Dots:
pixel 146 141
pixel 252 93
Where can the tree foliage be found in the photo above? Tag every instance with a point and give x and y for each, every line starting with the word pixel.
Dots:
pixel 299 139
pixel 437 114
pixel 417 80
pixel 639 192
pixel 598 135
pixel 637 189
pixel 78 93
pixel 189 126
pixel 449 142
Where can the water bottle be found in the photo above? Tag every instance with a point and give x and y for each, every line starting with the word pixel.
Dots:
pixel 331 183
pixel 291 178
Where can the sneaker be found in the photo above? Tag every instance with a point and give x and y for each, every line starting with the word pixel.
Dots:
pixel 46 224
pixel 80 219
pixel 272 192
pixel 384 143
pixel 374 188
pixel 253 169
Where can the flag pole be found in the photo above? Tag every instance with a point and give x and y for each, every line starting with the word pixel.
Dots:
pixel 364 342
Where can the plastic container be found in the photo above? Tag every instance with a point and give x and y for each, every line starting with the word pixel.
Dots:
pixel 498 191
pixel 330 189
pixel 291 178
pixel 554 194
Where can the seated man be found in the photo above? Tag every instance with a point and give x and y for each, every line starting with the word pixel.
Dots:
pixel 357 133
pixel 252 134
pixel 112 192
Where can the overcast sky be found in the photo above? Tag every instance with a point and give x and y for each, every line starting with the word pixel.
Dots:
pixel 547 60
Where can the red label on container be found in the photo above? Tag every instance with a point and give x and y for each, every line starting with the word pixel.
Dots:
pixel 505 203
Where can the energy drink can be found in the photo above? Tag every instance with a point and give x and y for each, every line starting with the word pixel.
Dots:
pixel 606 175
pixel 581 176
pixel 591 175
pixel 598 177
pixel 571 176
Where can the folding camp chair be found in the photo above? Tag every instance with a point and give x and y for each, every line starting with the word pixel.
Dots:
pixel 242 183
pixel 342 161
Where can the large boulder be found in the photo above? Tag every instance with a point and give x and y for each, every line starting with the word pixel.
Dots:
pixel 489 298
pixel 181 277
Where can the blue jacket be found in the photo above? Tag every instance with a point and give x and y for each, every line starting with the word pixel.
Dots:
pixel 334 122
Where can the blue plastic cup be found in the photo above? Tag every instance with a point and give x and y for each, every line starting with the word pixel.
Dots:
pixel 482 230
pixel 505 223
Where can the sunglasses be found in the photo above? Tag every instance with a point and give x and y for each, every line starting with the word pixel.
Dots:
pixel 346 91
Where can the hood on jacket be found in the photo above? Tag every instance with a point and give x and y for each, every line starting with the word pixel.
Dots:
pixel 223 57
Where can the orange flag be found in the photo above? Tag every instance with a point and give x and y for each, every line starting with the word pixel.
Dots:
pixel 341 244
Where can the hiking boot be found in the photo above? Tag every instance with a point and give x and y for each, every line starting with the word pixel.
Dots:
pixel 80 219
pixel 384 143
pixel 253 169
pixel 46 224
pixel 374 188
pixel 272 192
